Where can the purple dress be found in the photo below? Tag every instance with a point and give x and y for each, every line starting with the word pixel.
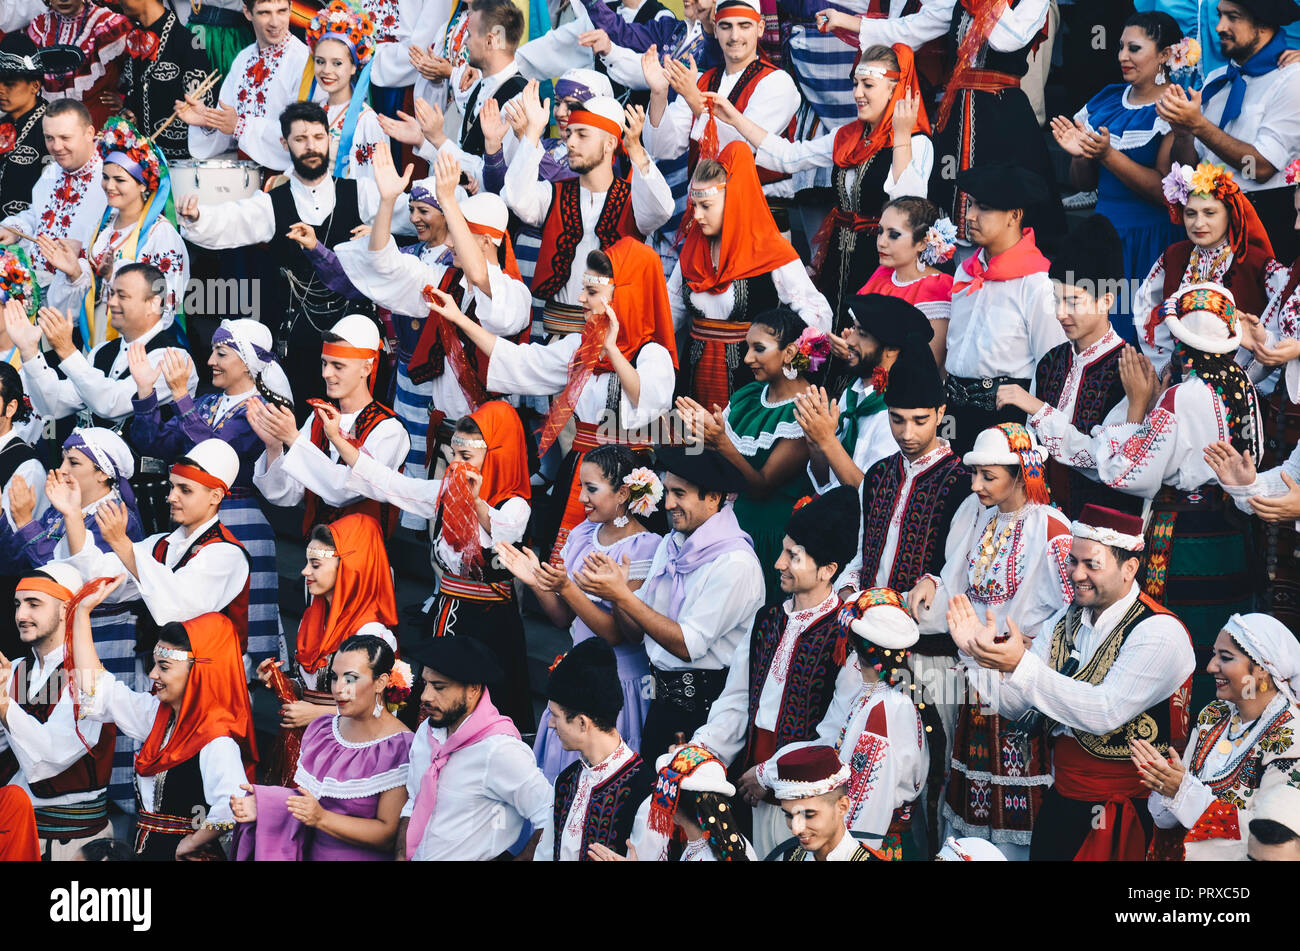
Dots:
pixel 347 778
pixel 633 668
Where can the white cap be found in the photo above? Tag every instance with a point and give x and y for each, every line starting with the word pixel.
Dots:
pixel 246 334
pixel 992 449
pixel 887 626
pixel 358 331
pixel 1204 330
pixel 606 107
pixel 273 378
pixel 62 573
pixel 1280 804
pixel 487 211
pixel 752 4
pixel 217 459
pixel 596 83
pixel 970 849
pixel 108 451
pixel 707 777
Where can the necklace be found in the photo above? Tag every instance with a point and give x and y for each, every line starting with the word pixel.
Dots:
pixel 1229 742
pixel 990 548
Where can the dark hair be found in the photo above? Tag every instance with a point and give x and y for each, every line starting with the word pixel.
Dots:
pixel 603 722
pixel 468 427
pixel 153 278
pixel 502 13
pixel 785 324
pixel 709 170
pixel 1160 28
pixel 302 112
pixel 880 54
pixel 173 632
pixel 921 214
pixel 61 107
pixel 107 850
pixel 1271 832
pixel 598 262
pixel 322 534
pixel 379 655
pixel 11 391
pixel 1123 555
pixel 615 462
pixel 714 814
pixel 249 5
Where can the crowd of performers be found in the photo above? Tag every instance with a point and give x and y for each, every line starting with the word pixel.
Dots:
pixel 893 515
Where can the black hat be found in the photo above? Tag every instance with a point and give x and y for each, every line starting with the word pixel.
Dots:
pixel 1091 256
pixel 891 320
pixel 827 527
pixel 704 468
pixel 586 680
pixel 914 381
pixel 1003 186
pixel 20 58
pixel 1271 12
pixel 464 659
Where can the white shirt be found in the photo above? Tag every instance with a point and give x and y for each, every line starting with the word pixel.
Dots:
pixel 237 224
pixel 209 581
pixel 1267 484
pixel 486 792
pixel 721 600
pixel 83 387
pixel 1004 328
pixel 875 439
pixel 75 218
pixel 18 14
pixel 33 474
pixel 44 750
pixel 782 155
pixel 305 468
pixel 843 852
pixel 728 722
pixel 793 286
pixel 575 820
pixel 471 163
pixel 850 576
pixel 1269 120
pixel 1015 28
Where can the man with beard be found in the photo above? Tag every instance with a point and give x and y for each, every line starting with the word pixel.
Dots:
pixel 846 438
pixel 493 785
pixel 307 207
pixel 589 213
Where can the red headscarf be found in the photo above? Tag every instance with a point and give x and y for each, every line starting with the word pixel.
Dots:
pixel 505 470
pixel 751 244
pixel 363 592
pixel 215 702
pixel 853 144
pixel 1245 230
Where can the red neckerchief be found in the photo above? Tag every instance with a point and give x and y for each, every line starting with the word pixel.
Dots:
pixel 1020 260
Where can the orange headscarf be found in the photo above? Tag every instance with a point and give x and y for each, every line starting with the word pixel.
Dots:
pixel 505 470
pixel 215 702
pixel 363 592
pixel 751 244
pixel 18 841
pixel 853 144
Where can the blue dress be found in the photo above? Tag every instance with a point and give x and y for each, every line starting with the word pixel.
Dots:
pixel 1143 226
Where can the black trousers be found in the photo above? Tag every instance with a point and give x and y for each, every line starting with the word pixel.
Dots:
pixel 1062 824
pixel 665 719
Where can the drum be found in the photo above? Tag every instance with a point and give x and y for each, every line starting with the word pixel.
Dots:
pixel 215 181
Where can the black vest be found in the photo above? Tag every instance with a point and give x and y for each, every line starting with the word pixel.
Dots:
pixel 1014 63
pixel 102 360
pixel 753 296
pixel 182 796
pixel 471 133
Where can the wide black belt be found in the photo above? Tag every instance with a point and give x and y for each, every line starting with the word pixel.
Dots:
pixel 686 688
pixel 978 393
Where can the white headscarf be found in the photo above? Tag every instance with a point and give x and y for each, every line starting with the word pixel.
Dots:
pixel 251 339
pixel 1271 645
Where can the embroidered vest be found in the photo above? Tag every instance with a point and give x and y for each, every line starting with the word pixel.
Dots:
pixel 1160 725
pixel 236 610
pixel 1013 62
pixel 317 513
pixel 1244 277
pixel 563 229
pixel 751 296
pixel 739 97
pixel 1247 772
pixel 179 793
pixel 90 773
pixel 791 851
pixel 611 808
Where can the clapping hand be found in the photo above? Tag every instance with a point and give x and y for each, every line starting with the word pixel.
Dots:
pixel 705 426
pixel 1181 109
pixel 387 181
pixel 433 68
pixel 64 493
pixel 143 371
pixel 1230 466
pixel 446 176
pixel 995 652
pixel 1068 135
pixel 177 367
pixel 60 253
pixel 537 112
pixel 111 517
pixel 493 126
pixel 1157 773
pixel 603 577
pixel 520 562
pixel 22 501
pixel 57 328
pixel 685 78
pixel 817 415
pixel 1141 385
pixel 656 78
pixel 23 334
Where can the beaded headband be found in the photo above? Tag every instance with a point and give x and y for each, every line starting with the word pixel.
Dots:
pixel 166 653
pixel 468 442
pixel 876 70
pixel 320 551
pixel 698 193
pixel 598 279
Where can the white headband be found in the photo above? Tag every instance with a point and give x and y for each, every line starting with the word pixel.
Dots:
pixel 1107 536
pixel 787 789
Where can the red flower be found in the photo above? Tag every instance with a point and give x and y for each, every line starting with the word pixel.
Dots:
pixel 143 45
pixel 8 137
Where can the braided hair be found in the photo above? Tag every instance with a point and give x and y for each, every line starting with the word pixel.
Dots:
pixel 714 814
pixel 1221 373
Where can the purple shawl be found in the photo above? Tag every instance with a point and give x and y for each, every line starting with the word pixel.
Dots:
pixel 719 535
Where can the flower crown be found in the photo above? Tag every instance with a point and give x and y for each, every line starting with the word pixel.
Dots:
pixel 940 243
pixel 1293 172
pixel 120 137
pixel 647 491
pixel 399 685
pixel 342 21
pixel 16 280
pixel 813 349
pixel 1207 180
pixel 1184 55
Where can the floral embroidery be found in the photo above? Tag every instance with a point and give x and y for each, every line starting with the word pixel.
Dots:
pixel 56 217
pixel 363 154
pixel 250 98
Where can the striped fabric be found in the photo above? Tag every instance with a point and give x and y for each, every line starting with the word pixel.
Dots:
pixel 821 63
pixel 412 408
pixel 113 627
pixel 242 515
pixel 665 239
pixel 77 821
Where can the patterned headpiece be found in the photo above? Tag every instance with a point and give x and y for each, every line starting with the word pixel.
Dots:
pixel 878 616
pixel 351 26
pixel 1206 180
pixel 122 145
pixel 669 783
pixel 1009 444
pixel 1203 316
pixel 1109 527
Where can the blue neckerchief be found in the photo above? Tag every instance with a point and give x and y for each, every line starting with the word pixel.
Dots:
pixel 1263 62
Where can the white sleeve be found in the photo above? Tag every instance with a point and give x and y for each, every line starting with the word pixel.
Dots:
pixel 795 288
pixel 273 480
pixel 376 481
pixel 775 101
pixel 419 763
pixel 1267 484
pixel 929 23
pixel 728 723
pixel 782 155
pixel 850 575
pixel 132 711
pixel 1167 446
pixel 1043 329
pixel 509 522
pixel 556 51
pixel 677 291
pixel 1017 26
pixel 112 398
pixel 388 444
pixel 51 396
pixel 624 67
pixel 388 277
pixel 66 294
pixel 222 770
pixel 1149 295
pixel 545 851
pixel 652 199
pixel 531 369
pixel 207 582
pixel 935 619
pixel 235 224
pixel 738 583
pixel 512 777
pixel 1188 804
pixel 508 309
pixel 1062 441
pixel 527 197
pixel 654 367
pixel 1278 135
pixel 915 177
pixel 46 749
pixel 470 164
pixel 672 136
pixel 90 562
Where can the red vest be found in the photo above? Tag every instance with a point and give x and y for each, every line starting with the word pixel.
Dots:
pixel 739 97
pixel 370 416
pixel 236 610
pixel 562 231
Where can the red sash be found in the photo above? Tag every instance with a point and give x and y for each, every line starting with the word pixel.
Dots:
pixel 1118 835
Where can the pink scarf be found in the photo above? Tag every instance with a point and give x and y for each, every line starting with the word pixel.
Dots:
pixel 485 721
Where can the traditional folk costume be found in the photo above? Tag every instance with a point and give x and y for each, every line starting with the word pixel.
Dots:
pixel 1090 682
pixel 17 15
pixel 690 778
pixel 633 667
pixel 1003 318
pixel 310 470
pixel 100 34
pixel 864 181
pixel 258 85
pixel 21 844
pixel 493 785
pixel 1231 764
pixel 151 239
pixel 44 540
pixel 1079 387
pixel 763 92
pixel 165 61
pixel 810 771
pixel 225 31
pixel 876 728
pixel 711 584
pixel 361 602
pixel 192 761
pixel 594 803
pixel 1015 565
pixel 575 221
pixel 439 26
pixel 22 140
pixel 589 391
pixel 439 379
pixel 756 270
pixel 985 117
pixel 790 668
pixel 1192 534
pixel 225 416
pixel 931 294
pixel 476 597
pixel 345 778
pixel 467 144
pixel 40 751
pixel 63 204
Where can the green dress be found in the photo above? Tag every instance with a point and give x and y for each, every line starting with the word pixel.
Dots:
pixel 755 426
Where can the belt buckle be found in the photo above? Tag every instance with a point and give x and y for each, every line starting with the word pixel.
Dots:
pixel 986 383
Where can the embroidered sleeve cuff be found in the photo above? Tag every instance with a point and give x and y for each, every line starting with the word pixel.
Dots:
pixel 1190 801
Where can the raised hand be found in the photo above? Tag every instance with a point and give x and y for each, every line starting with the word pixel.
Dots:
pixel 23 334
pixel 176 367
pixel 817 414
pixel 22 501
pixel 59 255
pixel 906 111
pixel 520 562
pixel 1141 385
pixel 538 113
pixel 596 40
pixel 964 625
pixel 405 128
pixel 63 493
pixel 493 127
pixel 446 176
pixel 303 235
pixel 515 115
pixel 111 518
pixel 1230 466
pixel 656 78
pixel 387 181
pixel 431 122
pixel 102 588
pixel 634 122
pixel 57 329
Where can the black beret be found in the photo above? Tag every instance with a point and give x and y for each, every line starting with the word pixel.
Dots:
pixel 914 381
pixel 1003 186
pixel 586 680
pixel 706 469
pixel 891 320
pixel 464 659
pixel 1092 256
pixel 828 526
pixel 1271 12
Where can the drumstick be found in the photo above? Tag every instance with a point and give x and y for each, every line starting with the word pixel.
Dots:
pixel 22 234
pixel 202 90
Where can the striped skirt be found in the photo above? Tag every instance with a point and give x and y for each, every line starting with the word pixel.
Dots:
pixel 243 516
pixel 412 408
pixel 113 627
